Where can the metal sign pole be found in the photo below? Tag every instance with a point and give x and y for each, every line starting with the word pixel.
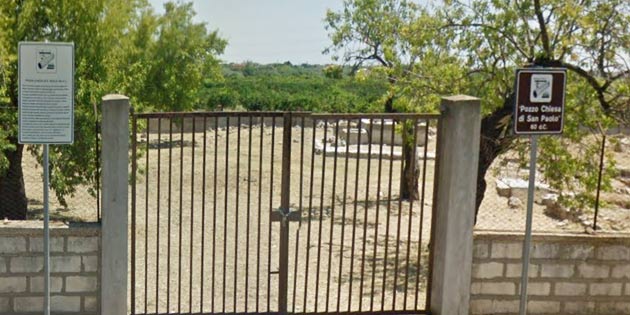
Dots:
pixel 46 236
pixel 528 225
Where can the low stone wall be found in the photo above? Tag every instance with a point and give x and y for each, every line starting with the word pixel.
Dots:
pixel 569 274
pixel 74 269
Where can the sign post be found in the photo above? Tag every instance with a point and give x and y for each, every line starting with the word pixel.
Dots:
pixel 46 113
pixel 539 110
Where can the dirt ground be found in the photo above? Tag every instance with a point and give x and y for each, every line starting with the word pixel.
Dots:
pixel 353 241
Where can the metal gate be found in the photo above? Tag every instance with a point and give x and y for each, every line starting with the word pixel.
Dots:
pixel 276 213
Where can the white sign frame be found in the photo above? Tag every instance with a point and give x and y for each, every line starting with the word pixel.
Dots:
pixel 57 65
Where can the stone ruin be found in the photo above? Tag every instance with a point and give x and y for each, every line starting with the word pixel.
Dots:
pixel 355 141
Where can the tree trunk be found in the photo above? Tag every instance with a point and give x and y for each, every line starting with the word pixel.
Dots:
pixel 496 137
pixel 409 182
pixel 13 202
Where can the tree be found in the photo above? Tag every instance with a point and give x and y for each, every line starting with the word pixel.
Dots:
pixel 374 33
pixel 119 44
pixel 587 37
pixel 474 47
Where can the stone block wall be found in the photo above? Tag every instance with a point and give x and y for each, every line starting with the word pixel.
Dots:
pixel 74 264
pixel 569 274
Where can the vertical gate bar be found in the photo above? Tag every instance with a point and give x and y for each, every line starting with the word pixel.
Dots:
pixel 438 153
pixel 285 196
pixel 203 213
pixel 389 214
pixel 225 208
pixel 405 137
pixel 214 210
pixel 310 215
pixel 249 192
pixel 146 223
pixel 422 196
pixel 378 203
pixel 273 150
pixel 354 215
pixel 365 215
pixel 321 215
pixel 168 247
pixel 157 223
pixel 409 224
pixel 297 236
pixel 260 167
pixel 343 214
pixel 238 184
pixel 134 171
pixel 181 210
pixel 332 215
pixel 192 216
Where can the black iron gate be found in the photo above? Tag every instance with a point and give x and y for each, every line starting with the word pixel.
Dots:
pixel 271 212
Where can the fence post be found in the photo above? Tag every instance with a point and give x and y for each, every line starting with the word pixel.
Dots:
pixel 455 205
pixel 115 159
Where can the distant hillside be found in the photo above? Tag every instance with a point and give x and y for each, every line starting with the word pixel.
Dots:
pixel 251 86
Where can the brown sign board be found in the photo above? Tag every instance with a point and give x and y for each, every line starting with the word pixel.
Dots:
pixel 540 94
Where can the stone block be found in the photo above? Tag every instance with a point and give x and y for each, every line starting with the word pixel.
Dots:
pixel 481 307
pixel 621 271
pixel 545 307
pixel 90 304
pixel 493 288
pixel 90 263
pixel 614 253
pixel 481 250
pixel 586 270
pixel 12 284
pixel 65 303
pixel 65 264
pixel 25 304
pixel 81 284
pixel 605 289
pixel 83 244
pixel 514 270
pixel 351 136
pixel 507 250
pixel 627 288
pixel 3 265
pixel 556 271
pixel 27 264
pixel 536 288
pixel 579 308
pixel 37 284
pixel 574 251
pixel 12 245
pixel 37 244
pixel 570 289
pixel 487 270
pixel 4 305
pixel 613 308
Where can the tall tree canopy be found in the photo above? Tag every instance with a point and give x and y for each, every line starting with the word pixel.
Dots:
pixel 474 47
pixel 121 46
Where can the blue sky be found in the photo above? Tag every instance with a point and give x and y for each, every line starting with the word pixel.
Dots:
pixel 267 31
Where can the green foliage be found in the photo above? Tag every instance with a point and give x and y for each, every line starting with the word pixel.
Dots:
pixel 121 46
pixel 287 87
pixel 474 47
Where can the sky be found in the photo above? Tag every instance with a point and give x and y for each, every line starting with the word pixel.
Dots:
pixel 267 31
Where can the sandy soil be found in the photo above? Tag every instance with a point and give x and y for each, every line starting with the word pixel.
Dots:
pixel 335 211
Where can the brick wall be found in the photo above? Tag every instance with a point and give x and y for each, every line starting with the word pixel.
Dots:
pixel 569 274
pixel 74 262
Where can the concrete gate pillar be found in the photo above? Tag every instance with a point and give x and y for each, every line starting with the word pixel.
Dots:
pixel 455 205
pixel 115 161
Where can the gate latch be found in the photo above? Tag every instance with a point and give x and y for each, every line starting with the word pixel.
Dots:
pixel 292 215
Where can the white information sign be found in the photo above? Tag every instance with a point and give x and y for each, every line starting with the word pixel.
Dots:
pixel 46 93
